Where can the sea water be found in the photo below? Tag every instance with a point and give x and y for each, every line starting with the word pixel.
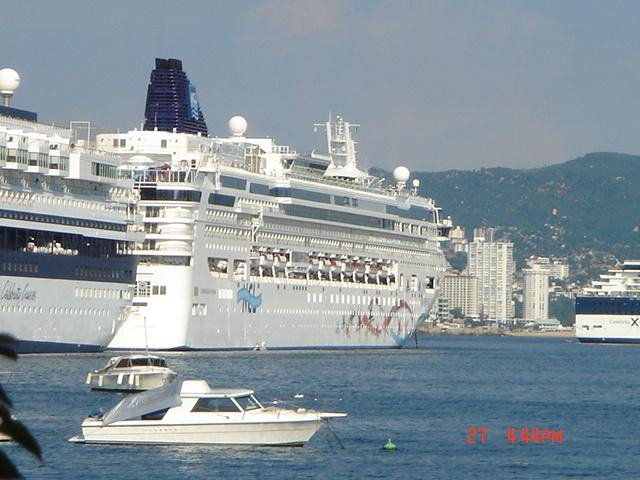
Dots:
pixel 427 400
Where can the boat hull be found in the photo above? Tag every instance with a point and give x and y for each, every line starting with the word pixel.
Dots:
pixel 281 433
pixel 129 382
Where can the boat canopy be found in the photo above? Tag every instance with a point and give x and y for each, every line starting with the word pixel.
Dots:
pixel 144 403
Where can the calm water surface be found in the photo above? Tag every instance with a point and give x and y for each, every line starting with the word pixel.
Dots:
pixel 424 399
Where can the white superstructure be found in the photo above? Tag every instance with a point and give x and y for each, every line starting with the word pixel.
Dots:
pixel 248 242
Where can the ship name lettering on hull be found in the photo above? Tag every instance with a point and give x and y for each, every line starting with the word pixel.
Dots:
pixel 13 291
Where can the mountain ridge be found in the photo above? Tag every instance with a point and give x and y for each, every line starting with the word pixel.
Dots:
pixel 586 209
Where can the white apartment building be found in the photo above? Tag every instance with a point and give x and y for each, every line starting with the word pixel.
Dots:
pixel 461 291
pixel 458 240
pixel 556 268
pixel 491 262
pixel 536 293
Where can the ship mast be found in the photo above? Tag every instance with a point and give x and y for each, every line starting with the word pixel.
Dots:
pixel 342 150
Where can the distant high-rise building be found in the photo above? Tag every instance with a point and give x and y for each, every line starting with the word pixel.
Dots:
pixel 492 263
pixel 556 268
pixel 536 293
pixel 483 234
pixel 442 309
pixel 458 240
pixel 461 291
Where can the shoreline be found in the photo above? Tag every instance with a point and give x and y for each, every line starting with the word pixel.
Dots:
pixel 494 332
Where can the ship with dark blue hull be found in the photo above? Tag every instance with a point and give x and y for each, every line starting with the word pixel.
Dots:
pixel 66 236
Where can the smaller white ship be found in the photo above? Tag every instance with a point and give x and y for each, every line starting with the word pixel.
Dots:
pixel 191 412
pixel 131 373
pixel 609 311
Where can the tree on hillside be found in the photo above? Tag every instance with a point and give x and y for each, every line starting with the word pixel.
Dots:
pixel 564 309
pixel 458 261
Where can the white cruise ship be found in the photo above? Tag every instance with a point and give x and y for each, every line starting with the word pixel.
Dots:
pixel 66 274
pixel 609 311
pixel 249 243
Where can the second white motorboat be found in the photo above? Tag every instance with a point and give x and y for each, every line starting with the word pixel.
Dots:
pixel 191 412
pixel 131 373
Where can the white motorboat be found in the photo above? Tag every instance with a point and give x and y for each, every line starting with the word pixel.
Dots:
pixel 191 412
pixel 131 373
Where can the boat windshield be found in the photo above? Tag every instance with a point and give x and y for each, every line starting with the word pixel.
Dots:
pixel 215 405
pixel 248 402
pixel 148 361
pixel 123 363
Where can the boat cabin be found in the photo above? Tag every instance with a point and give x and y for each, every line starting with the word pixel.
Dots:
pixel 135 361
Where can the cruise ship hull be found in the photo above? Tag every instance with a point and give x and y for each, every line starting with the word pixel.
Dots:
pixel 48 316
pixel 269 313
pixel 48 309
pixel 608 319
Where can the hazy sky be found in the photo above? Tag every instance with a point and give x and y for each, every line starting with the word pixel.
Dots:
pixel 435 85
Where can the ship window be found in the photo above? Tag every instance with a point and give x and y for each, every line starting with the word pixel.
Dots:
pixel 140 362
pixel 215 405
pixel 123 363
pixel 334 216
pixel 163 144
pixel 259 188
pixel 280 191
pixel 233 182
pixel 123 142
pixel 220 199
pixel 115 142
pixel 415 212
pixel 310 195
pixel 171 195
pixel 340 200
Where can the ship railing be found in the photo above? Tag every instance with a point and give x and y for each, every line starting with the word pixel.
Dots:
pixel 41 127
pixel 84 148
pixel 339 183
pixel 247 207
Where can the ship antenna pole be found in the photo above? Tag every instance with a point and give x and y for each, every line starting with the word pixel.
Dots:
pixel 146 340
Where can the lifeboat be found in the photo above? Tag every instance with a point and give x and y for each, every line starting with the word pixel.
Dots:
pixel 346 268
pixel 382 269
pixel 324 265
pixel 312 269
pixel 279 260
pixel 359 269
pixel 254 257
pixel 373 275
pixel 333 266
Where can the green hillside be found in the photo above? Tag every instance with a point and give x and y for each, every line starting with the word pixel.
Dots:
pixel 587 209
